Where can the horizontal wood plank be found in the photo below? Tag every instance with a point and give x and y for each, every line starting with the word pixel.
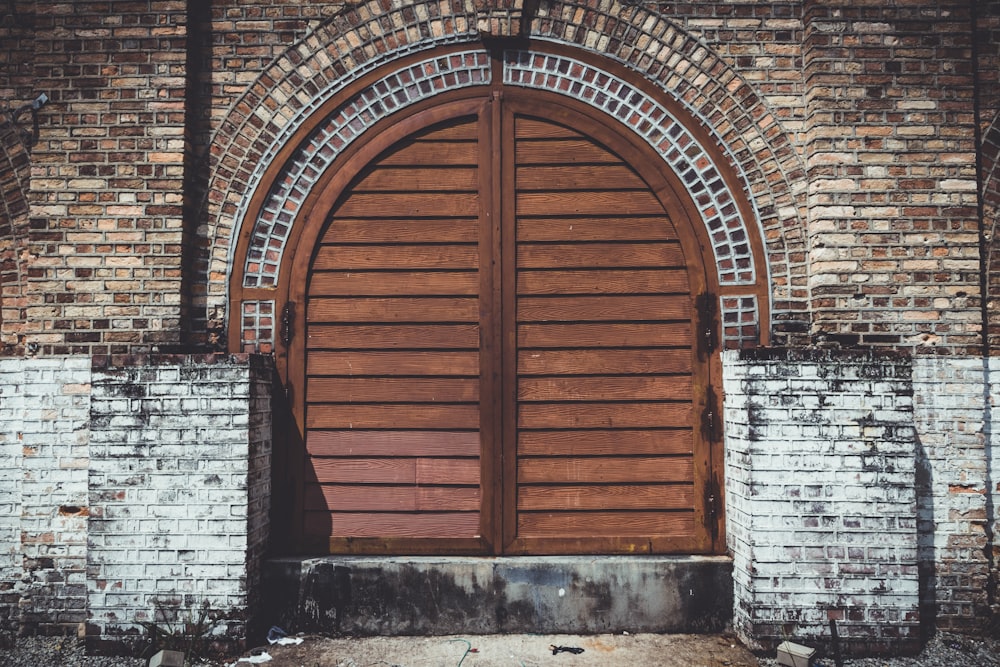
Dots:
pixel 392 336
pixel 589 202
pixel 605 388
pixel 393 390
pixel 577 177
pixel 377 498
pixel 409 205
pixel 637 281
pixel 629 334
pixel 432 471
pixel 391 309
pixel 606 497
pixel 526 127
pixel 375 230
pixel 599 524
pixel 424 179
pixel 374 444
pixel 604 470
pixel 610 362
pixel 562 151
pixel 602 228
pixel 603 415
pixel 451 130
pixel 399 257
pixel 393 283
pixel 434 153
pixel 393 524
pixel 601 308
pixel 392 363
pixel 599 255
pixel 393 416
pixel 605 442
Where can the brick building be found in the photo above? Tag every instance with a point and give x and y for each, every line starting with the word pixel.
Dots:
pixel 500 281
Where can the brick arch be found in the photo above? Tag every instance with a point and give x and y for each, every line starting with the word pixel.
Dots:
pixel 364 37
pixel 14 173
pixel 991 216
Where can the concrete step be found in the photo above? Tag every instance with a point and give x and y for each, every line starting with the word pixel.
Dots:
pixel 359 595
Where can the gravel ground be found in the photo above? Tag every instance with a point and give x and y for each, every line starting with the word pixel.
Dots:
pixel 944 650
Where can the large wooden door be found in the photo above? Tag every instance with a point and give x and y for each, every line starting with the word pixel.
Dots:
pixel 500 346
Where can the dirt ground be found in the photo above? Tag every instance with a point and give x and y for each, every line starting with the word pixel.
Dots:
pixel 513 651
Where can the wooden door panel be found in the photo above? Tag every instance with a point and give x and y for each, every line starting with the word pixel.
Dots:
pixel 605 366
pixel 611 334
pixel 406 230
pixel 393 361
pixel 603 496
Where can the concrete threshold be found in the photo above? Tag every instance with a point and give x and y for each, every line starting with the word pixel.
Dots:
pixel 390 596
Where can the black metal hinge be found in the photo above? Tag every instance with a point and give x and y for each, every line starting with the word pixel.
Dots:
pixel 287 323
pixel 712 502
pixel 711 420
pixel 707 307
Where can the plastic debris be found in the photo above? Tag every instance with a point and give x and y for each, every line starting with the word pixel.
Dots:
pixel 254 659
pixel 565 649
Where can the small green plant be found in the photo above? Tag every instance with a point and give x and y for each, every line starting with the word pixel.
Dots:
pixel 174 630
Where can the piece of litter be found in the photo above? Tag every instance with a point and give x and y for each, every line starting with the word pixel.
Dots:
pixel 566 649
pixel 287 641
pixel 255 659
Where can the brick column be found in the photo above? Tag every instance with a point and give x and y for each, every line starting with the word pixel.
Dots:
pixel 890 150
pixel 820 451
pixel 179 487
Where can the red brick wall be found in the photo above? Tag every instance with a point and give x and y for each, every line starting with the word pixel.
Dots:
pixel 891 149
pixel 107 178
pixel 16 89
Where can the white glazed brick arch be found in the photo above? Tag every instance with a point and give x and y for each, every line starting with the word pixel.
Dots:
pixel 604 91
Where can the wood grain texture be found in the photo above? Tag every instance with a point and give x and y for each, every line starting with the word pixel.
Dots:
pixel 376 444
pixel 604 470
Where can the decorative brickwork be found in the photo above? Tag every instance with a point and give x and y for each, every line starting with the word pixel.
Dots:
pixel 259 321
pixel 389 94
pixel 668 136
pixel 681 67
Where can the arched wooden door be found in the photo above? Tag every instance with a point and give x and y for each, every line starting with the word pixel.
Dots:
pixel 503 351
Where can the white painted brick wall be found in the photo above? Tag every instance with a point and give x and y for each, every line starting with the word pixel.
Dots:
pixel 820 501
pixel 178 484
pixel 44 428
pixel 954 429
pixel 125 490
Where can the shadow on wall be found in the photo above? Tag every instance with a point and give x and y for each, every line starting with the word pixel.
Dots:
pixel 926 552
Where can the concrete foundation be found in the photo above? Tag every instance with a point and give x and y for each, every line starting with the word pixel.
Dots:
pixel 465 595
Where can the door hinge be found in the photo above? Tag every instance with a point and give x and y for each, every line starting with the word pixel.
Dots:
pixel 713 497
pixel 711 420
pixel 707 306
pixel 287 323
